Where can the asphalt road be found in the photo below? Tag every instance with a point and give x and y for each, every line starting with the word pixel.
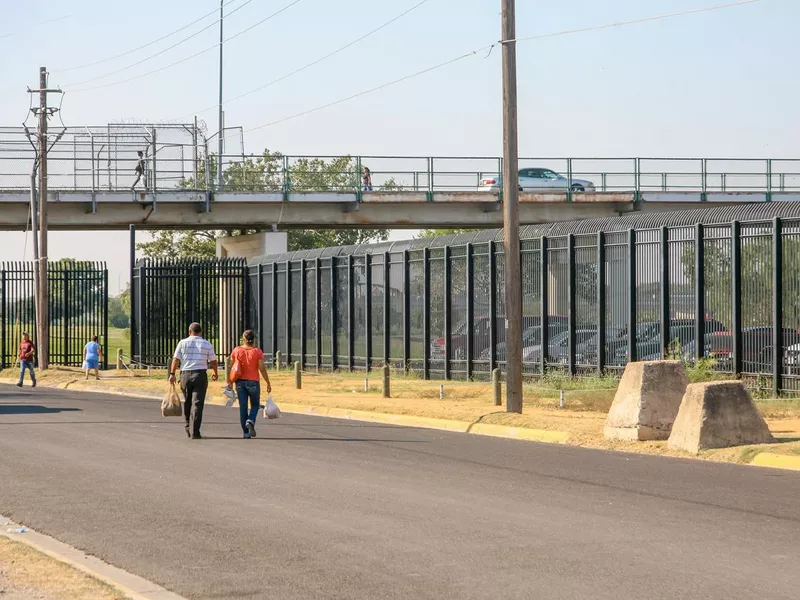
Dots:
pixel 323 508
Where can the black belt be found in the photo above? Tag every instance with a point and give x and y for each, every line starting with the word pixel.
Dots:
pixel 196 371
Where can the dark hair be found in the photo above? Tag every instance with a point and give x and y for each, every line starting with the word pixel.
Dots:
pixel 94 338
pixel 249 336
pixel 140 153
pixel 196 328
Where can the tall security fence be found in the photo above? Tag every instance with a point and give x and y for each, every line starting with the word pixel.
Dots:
pixel 725 295
pixel 168 295
pixel 78 309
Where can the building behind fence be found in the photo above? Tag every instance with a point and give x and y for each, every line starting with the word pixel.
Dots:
pixel 698 285
pixel 78 309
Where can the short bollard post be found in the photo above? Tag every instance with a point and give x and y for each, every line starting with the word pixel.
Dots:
pixel 497 388
pixel 228 365
pixel 386 390
pixel 119 359
pixel 561 398
pixel 278 360
pixel 441 392
pixel 298 376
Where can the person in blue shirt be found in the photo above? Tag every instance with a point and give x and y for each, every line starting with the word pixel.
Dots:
pixel 92 354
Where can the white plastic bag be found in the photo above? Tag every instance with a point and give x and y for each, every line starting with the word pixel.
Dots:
pixel 271 410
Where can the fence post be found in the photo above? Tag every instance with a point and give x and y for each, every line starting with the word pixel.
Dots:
pixel 769 180
pixel 334 315
pixel 777 306
pixel 367 312
pixel 632 295
pixel 3 317
pixel 406 312
pixel 288 316
pixel 141 337
pixel 571 325
pixel 492 307
pixel 601 302
pixel 569 180
pixel 303 313
pixel 665 308
pixel 318 311
pixel 544 326
pixel 120 366
pixel 260 306
pixel 448 347
pixel 736 295
pixel 699 294
pixel 387 307
pixel 274 314
pixel 426 313
pixel 298 376
pixel 105 317
pixel 470 307
pixel 278 360
pixel 65 314
pixel 351 316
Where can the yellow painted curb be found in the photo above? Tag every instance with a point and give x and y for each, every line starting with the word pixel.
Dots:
pixel 520 433
pixel 777 461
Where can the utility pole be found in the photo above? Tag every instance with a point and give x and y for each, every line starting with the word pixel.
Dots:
pixel 219 139
pixel 43 112
pixel 511 248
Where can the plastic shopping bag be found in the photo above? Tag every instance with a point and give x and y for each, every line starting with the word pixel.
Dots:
pixel 171 406
pixel 271 410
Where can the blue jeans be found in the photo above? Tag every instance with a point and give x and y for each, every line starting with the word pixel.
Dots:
pixel 251 390
pixel 26 364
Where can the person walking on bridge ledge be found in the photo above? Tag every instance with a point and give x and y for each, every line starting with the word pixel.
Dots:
pixel 194 356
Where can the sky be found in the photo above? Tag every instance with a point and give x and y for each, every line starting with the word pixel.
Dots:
pixel 717 83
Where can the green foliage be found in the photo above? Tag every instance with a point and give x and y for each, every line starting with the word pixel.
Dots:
pixel 266 173
pixel 439 232
pixel 118 316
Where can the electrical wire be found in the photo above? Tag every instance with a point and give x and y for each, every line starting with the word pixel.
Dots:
pixel 16 33
pixel 164 51
pixel 313 63
pixel 195 55
pixel 147 45
pixel 490 46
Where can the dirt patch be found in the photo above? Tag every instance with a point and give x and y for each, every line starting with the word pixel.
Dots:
pixel 26 573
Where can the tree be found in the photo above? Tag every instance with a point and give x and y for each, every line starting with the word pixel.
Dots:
pixel 440 232
pixel 270 172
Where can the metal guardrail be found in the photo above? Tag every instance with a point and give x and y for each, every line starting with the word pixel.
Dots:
pixel 95 159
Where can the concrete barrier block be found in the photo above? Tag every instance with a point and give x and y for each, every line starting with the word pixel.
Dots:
pixel 647 401
pixel 718 414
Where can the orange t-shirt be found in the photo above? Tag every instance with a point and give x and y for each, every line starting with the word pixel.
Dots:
pixel 248 362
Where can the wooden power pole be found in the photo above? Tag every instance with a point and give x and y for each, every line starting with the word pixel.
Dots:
pixel 511 247
pixel 43 112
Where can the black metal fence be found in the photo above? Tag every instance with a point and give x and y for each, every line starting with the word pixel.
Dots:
pixel 168 295
pixel 726 294
pixel 78 309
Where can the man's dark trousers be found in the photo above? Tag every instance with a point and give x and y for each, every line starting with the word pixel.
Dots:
pixel 194 385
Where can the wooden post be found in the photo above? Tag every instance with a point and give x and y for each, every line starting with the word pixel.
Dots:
pixel 119 359
pixel 298 376
pixel 386 383
pixel 497 388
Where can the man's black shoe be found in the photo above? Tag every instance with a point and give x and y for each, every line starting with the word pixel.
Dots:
pixel 197 436
pixel 188 433
pixel 33 384
pixel 19 384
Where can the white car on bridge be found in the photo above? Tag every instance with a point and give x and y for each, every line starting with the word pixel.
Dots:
pixel 537 179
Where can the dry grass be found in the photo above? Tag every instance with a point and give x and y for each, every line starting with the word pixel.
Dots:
pixel 27 573
pixel 586 403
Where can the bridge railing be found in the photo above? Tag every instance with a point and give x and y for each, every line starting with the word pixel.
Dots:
pixel 97 159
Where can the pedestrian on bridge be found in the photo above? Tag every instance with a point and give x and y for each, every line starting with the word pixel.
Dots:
pixel 141 167
pixel 26 352
pixel 194 356
pixel 367 178
pixel 247 364
pixel 92 355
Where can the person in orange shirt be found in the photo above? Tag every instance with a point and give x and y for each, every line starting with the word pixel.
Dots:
pixel 248 364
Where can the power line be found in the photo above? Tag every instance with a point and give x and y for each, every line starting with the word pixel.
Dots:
pixel 491 46
pixel 147 45
pixel 195 55
pixel 164 51
pixel 315 62
pixel 47 22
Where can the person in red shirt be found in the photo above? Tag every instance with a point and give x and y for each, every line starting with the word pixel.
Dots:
pixel 248 364
pixel 26 352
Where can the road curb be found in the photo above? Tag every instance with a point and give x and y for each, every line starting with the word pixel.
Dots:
pixel 776 461
pixel 133 586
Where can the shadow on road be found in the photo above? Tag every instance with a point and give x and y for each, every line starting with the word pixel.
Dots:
pixel 32 409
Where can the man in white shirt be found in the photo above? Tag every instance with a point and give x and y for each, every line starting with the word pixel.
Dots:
pixel 194 356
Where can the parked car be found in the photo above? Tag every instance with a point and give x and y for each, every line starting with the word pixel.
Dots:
pixel 558 347
pixel 538 179
pixel 531 336
pixel 757 348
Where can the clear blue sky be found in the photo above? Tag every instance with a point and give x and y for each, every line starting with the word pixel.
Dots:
pixel 715 83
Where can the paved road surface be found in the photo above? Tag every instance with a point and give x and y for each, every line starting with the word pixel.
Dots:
pixel 322 508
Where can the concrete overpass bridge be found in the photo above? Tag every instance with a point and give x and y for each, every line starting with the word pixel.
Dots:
pixel 91 170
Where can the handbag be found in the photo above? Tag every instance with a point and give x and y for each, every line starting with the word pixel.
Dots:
pixel 171 406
